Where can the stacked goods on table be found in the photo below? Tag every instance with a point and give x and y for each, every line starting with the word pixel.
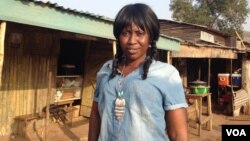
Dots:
pixel 68 87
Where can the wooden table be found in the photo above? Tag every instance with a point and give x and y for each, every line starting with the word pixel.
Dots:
pixel 202 117
pixel 69 109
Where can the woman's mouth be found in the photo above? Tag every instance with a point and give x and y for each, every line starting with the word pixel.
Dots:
pixel 132 51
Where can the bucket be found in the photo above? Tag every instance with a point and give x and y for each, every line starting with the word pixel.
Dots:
pixel 199 89
pixel 223 79
pixel 236 79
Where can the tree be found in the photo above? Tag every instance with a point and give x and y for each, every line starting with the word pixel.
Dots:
pixel 223 15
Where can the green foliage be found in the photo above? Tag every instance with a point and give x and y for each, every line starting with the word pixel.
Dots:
pixel 223 15
pixel 182 10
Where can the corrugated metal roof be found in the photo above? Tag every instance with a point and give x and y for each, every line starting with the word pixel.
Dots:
pixel 188 25
pixel 68 9
pixel 56 5
pixel 51 15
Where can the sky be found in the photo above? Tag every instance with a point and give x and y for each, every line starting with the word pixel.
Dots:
pixel 109 8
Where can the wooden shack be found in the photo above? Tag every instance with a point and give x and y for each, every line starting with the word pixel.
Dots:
pixel 204 54
pixel 50 55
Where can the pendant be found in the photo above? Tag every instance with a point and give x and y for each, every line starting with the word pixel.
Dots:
pixel 120 94
pixel 119 108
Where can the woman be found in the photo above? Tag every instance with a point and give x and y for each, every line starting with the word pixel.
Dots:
pixel 138 98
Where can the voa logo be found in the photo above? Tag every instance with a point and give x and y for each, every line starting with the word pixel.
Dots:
pixel 236 132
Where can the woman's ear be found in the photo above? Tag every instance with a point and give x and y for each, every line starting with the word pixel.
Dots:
pixel 150 44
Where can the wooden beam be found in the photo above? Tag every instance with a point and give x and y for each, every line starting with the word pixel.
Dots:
pixel 2 37
pixel 114 48
pixel 204 52
pixel 168 57
pixel 241 40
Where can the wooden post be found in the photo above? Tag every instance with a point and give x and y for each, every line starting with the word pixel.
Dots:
pixel 232 90
pixel 2 37
pixel 209 71
pixel 114 48
pixel 241 40
pixel 231 72
pixel 169 57
pixel 47 105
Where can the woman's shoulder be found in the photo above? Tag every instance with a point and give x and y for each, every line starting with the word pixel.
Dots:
pixel 108 64
pixel 105 70
pixel 106 67
pixel 164 70
pixel 162 66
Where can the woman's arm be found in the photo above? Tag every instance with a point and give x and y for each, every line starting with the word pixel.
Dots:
pixel 94 123
pixel 177 126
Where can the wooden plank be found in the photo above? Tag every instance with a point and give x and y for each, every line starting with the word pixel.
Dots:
pixel 35 72
pixel 22 86
pixel 240 102
pixel 4 113
pixel 30 88
pixel 15 83
pixel 114 48
pixel 47 104
pixel 2 109
pixel 2 37
pixel 188 51
pixel 39 78
pixel 240 118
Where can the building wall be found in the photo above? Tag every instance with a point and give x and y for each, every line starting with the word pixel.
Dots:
pixel 25 73
pixel 97 54
pixel 31 53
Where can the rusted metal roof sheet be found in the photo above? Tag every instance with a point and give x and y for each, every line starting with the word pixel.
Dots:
pixel 167 25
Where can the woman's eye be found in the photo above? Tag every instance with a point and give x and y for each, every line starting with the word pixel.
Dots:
pixel 125 33
pixel 140 33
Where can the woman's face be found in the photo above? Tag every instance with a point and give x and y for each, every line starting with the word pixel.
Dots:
pixel 134 43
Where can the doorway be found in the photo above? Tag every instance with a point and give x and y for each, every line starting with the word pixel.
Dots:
pixel 70 70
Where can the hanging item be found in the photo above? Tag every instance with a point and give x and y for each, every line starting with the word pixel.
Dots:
pixel 15 40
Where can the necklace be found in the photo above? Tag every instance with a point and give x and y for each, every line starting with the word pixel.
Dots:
pixel 120 101
pixel 120 83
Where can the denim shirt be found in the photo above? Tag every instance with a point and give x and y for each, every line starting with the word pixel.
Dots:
pixel 146 102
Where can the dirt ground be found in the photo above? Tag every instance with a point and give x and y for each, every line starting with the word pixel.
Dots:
pixel 79 130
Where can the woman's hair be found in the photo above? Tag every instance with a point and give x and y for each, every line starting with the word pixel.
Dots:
pixel 145 18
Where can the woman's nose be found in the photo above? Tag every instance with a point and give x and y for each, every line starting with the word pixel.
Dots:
pixel 132 39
